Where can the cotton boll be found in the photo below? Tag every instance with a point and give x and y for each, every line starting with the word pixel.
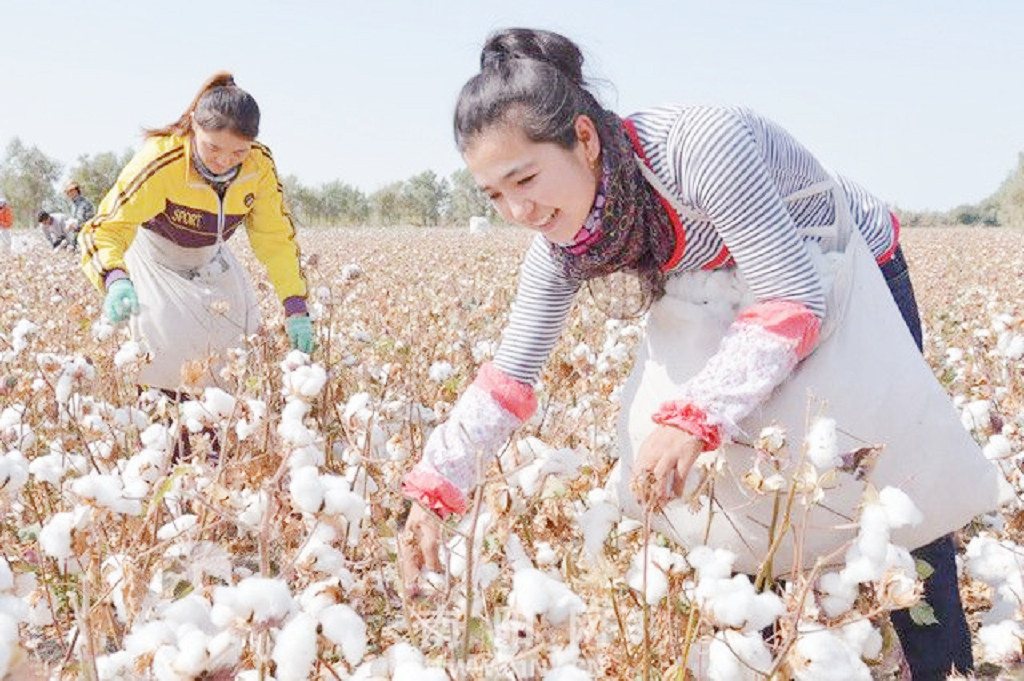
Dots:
pixel 415 671
pixel 567 672
pixel 131 355
pixel 734 603
pixel 534 594
pixel 50 468
pixel 106 491
pixel 440 372
pixel 993 561
pixel 304 382
pixel 219 404
pixel 711 563
pixel 101 329
pixel 545 555
pixel 177 526
pixel 976 415
pixel 873 536
pixel 319 553
pixel 339 499
pixel 1002 642
pixel 20 334
pixel 733 656
pixel 402 653
pixel 254 599
pixel 14 470
pixel 295 648
pixel 836 594
pixel 343 627
pixel 194 416
pixel 821 444
pixel 189 654
pixel 660 562
pixel 306 490
pixel 1011 346
pixel 192 609
pixel 157 436
pixel 997 447
pixel 899 508
pixel 863 638
pixel 597 522
pixel 320 595
pixel 253 416
pixel 823 656
pixel 147 637
pixel 8 643
pixel 55 536
pixel 295 433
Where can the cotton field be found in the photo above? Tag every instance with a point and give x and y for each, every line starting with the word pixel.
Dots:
pixel 250 531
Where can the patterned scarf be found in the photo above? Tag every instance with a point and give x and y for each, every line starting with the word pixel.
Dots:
pixel 628 228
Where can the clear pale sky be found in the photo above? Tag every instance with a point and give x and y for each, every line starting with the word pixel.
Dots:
pixel 921 101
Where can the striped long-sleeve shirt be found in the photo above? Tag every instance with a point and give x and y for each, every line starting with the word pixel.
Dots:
pixel 733 168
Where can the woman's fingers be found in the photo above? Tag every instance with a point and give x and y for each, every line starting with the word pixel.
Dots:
pixel 429 540
pixel 662 464
pixel 420 540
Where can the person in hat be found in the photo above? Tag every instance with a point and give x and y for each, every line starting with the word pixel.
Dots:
pixel 82 209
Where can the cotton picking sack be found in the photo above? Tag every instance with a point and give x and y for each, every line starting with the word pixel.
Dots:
pixel 194 302
pixel 866 374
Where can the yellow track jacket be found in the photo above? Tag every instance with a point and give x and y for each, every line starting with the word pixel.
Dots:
pixel 160 190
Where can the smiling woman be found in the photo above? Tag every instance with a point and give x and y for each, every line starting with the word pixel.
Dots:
pixel 190 187
pixel 767 279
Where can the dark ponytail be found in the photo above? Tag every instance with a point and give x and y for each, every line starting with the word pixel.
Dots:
pixel 530 78
pixel 219 105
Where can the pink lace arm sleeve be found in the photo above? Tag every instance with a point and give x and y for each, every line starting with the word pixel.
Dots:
pixel 757 353
pixel 459 449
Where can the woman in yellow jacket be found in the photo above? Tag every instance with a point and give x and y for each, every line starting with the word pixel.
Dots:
pixel 189 188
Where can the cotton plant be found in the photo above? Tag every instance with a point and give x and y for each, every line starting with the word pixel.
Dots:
pixel 535 461
pixel 650 569
pixel 22 333
pixel 1000 565
pixel 14 431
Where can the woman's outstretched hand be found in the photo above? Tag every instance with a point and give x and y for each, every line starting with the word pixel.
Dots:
pixel 662 464
pixel 420 540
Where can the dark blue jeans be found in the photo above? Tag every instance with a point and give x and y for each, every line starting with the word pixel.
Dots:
pixel 931 650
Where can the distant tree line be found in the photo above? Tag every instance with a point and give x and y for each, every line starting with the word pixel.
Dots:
pixel 1004 208
pixel 31 181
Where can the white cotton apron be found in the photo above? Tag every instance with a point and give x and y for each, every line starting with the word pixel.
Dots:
pixel 866 373
pixel 194 302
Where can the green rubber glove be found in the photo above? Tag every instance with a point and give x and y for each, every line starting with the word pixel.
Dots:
pixel 121 301
pixel 300 332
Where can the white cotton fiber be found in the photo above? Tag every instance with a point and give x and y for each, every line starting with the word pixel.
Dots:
pixel 821 444
pixel 295 648
pixel 734 656
pixel 899 509
pixel 305 489
pixel 567 672
pixel 343 627
pixel 824 656
pixel 535 593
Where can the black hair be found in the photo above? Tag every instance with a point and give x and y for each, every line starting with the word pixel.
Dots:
pixel 529 78
pixel 43 215
pixel 219 105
